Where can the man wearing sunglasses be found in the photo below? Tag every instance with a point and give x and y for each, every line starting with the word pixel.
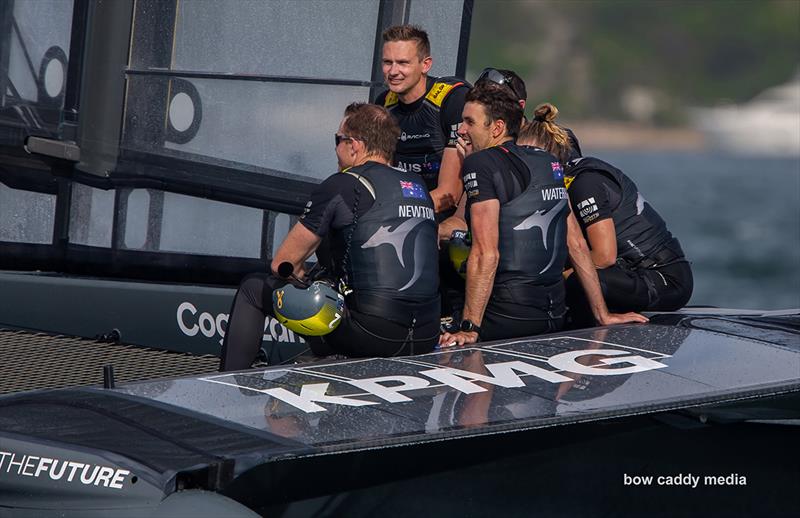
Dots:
pixel 428 110
pixel 516 86
pixel 380 231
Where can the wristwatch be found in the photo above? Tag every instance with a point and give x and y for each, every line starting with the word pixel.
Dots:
pixel 470 327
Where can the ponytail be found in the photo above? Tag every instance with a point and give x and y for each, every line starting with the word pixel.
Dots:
pixel 543 132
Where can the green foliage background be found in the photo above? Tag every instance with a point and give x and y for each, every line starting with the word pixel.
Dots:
pixel 584 54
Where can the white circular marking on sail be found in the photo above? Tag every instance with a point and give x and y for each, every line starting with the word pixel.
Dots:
pixel 181 111
pixel 53 78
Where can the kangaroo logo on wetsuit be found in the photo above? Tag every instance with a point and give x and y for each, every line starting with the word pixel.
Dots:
pixel 393 247
pixel 533 225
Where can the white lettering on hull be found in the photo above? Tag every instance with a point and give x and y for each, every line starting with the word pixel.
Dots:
pixel 503 374
pixel 209 325
pixel 78 472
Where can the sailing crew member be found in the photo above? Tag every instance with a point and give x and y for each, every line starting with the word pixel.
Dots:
pixel 516 87
pixel 428 110
pixel 518 214
pixel 381 230
pixel 640 263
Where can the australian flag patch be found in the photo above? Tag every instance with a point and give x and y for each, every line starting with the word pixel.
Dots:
pixel 558 171
pixel 413 190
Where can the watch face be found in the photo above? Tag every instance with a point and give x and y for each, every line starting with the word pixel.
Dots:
pixel 467 325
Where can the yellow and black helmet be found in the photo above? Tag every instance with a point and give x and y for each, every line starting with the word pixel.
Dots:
pixel 458 250
pixel 313 311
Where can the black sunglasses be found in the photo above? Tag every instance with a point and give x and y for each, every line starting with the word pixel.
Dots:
pixel 497 77
pixel 339 138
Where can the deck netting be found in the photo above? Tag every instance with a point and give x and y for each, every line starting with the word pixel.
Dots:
pixel 30 361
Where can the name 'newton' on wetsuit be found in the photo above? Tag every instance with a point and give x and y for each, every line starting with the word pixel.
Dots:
pixel 379 235
pixel 390 251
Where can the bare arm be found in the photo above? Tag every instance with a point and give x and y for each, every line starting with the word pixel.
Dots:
pixel 481 266
pixel 458 220
pixel 603 240
pixel 584 268
pixel 454 222
pixel 298 246
pixel 449 189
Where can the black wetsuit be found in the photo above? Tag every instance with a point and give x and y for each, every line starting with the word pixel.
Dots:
pixel 528 293
pixel 428 125
pixel 388 258
pixel 651 271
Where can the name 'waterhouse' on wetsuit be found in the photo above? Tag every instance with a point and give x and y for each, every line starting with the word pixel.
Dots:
pixel 528 293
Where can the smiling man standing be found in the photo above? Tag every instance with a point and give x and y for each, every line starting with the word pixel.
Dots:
pixel 428 110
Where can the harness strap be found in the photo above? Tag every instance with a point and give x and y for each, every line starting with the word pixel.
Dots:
pixel 392 309
pixel 663 257
pixel 528 294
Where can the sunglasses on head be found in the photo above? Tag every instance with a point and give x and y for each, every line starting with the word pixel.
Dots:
pixel 495 76
pixel 339 138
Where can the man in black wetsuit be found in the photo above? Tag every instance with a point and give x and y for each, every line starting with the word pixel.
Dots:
pixel 515 86
pixel 641 264
pixel 381 229
pixel 428 110
pixel 518 215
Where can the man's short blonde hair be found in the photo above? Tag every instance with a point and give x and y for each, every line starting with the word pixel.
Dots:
pixel 410 33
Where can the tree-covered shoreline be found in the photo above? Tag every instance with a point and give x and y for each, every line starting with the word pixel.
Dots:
pixel 639 60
